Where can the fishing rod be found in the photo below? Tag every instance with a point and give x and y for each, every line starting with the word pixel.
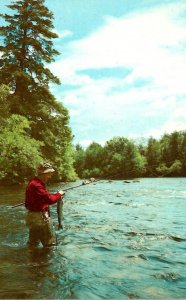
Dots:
pixel 92 180
pixel 67 189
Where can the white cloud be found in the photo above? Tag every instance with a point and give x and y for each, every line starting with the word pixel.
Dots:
pixel 74 112
pixel 176 122
pixel 171 126
pixel 180 113
pixel 151 45
pixel 168 127
pixel 161 104
pixel 139 41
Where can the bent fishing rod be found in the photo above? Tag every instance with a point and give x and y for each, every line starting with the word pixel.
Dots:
pixel 67 189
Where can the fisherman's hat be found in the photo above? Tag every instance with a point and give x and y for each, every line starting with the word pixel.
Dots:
pixel 45 168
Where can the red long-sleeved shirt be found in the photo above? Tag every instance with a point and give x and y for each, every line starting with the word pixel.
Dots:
pixel 37 198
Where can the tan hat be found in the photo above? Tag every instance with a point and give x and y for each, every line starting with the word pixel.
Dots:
pixel 45 168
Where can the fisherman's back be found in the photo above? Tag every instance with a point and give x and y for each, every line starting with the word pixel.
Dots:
pixel 37 198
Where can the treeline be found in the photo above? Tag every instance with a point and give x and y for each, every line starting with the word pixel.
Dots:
pixel 122 158
pixel 34 125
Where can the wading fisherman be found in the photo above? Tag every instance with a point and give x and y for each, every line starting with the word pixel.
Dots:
pixel 37 201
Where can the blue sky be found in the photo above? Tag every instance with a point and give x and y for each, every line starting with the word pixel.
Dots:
pixel 122 66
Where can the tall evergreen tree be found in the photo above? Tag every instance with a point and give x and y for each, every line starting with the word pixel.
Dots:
pixel 26 51
pixel 153 156
pixel 174 146
pixel 27 47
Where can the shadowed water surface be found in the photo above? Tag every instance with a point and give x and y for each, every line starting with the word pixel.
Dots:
pixel 120 241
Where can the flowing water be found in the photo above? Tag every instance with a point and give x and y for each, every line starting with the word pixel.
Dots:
pixel 120 241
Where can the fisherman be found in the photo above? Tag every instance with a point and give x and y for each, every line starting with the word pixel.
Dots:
pixel 37 201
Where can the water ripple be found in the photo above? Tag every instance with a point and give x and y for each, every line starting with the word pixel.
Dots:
pixel 120 241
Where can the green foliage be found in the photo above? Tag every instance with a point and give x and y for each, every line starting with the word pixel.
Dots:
pixel 79 160
pixel 182 152
pixel 93 156
pixel 122 158
pixel 119 158
pixel 27 45
pixel 173 170
pixel 27 49
pixel 88 173
pixel 153 156
pixel 34 125
pixel 20 154
pixel 170 147
pixel 88 162
pixel 4 104
pixel 64 162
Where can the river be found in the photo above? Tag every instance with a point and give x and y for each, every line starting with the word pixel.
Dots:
pixel 121 240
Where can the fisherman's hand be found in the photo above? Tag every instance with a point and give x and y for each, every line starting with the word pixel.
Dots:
pixel 62 193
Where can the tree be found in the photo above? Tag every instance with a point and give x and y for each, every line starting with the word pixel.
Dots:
pixel 170 147
pixel 171 153
pixel 93 160
pixel 27 45
pixel 88 162
pixel 135 162
pixel 20 154
pixel 27 49
pixel 113 154
pixel 182 152
pixel 4 105
pixel 122 159
pixel 174 146
pixel 153 156
pixel 79 162
pixel 173 170
pixel 93 155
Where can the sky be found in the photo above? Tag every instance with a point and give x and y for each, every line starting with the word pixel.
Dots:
pixel 122 67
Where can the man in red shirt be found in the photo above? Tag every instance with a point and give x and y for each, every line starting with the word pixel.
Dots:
pixel 37 201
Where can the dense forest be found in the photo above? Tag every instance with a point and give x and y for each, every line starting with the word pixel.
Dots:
pixel 122 158
pixel 34 126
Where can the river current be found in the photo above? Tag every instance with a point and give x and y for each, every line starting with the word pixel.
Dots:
pixel 120 240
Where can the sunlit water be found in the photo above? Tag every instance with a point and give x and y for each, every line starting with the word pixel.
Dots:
pixel 120 241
